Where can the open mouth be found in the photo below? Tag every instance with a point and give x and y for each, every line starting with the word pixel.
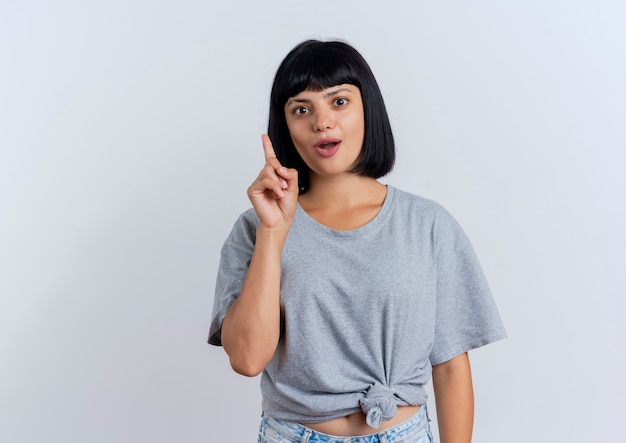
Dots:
pixel 327 147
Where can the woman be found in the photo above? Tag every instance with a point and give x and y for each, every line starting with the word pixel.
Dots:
pixel 345 293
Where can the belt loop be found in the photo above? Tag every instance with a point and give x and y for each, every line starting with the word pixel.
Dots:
pixel 305 436
pixel 382 437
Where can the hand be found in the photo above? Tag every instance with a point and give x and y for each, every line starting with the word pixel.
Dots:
pixel 274 193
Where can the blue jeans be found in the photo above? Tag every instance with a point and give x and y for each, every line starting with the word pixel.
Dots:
pixel 414 430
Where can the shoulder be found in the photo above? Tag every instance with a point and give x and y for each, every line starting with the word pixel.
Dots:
pixel 248 218
pixel 406 202
pixel 244 229
pixel 429 216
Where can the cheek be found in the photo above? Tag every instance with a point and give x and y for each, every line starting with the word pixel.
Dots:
pixel 294 139
pixel 296 134
pixel 357 126
pixel 297 142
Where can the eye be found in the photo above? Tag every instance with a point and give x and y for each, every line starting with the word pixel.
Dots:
pixel 340 101
pixel 300 110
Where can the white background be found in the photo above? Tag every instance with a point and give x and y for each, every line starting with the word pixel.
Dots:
pixel 129 131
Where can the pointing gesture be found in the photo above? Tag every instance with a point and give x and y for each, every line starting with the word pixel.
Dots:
pixel 267 147
pixel 274 193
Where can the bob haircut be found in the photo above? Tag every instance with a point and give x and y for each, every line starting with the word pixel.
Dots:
pixel 316 65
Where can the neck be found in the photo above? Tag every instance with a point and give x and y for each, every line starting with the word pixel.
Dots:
pixel 342 192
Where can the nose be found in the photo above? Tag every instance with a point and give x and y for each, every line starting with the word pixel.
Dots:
pixel 324 120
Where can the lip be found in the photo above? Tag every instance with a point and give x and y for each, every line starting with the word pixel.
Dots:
pixel 323 149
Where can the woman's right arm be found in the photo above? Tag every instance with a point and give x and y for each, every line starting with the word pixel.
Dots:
pixel 251 327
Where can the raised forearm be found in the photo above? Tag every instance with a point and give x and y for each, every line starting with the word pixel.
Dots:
pixel 454 394
pixel 251 328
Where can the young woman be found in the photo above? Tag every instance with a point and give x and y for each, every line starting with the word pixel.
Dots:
pixel 347 294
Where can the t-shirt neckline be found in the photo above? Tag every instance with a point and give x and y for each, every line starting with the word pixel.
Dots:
pixel 367 228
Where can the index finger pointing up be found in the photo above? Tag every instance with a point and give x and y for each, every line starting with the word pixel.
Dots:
pixel 267 147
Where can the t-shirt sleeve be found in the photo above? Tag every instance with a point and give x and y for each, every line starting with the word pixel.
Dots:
pixel 234 262
pixel 466 313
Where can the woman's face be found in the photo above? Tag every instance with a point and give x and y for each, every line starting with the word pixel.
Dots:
pixel 327 128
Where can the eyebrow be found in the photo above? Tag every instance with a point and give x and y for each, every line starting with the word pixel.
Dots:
pixel 327 95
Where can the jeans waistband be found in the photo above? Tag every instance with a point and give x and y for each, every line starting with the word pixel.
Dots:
pixel 275 430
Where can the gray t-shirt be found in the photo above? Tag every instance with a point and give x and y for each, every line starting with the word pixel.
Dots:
pixel 366 312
